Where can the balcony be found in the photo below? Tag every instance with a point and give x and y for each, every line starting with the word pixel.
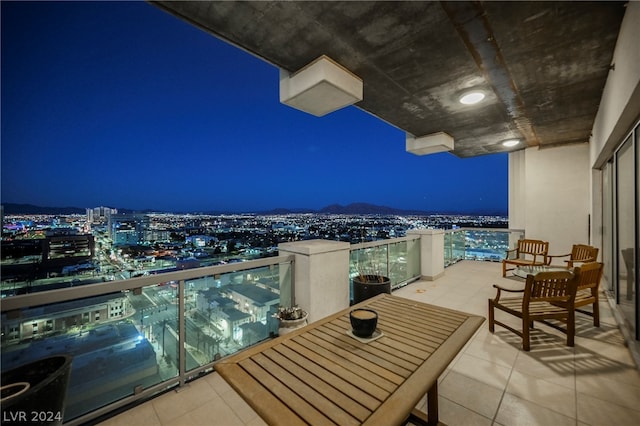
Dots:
pixel 491 382
pixel 181 319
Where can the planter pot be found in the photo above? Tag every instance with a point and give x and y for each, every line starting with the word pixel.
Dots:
pixel 367 286
pixel 287 326
pixel 363 322
pixel 36 390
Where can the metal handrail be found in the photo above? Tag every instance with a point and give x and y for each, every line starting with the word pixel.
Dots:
pixel 89 290
pixel 377 243
pixel 15 303
pixel 387 264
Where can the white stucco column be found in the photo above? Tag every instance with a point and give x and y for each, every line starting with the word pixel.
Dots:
pixel 321 275
pixel 431 252
pixel 517 191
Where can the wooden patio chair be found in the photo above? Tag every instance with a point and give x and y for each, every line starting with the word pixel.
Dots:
pixel 580 253
pixel 527 253
pixel 546 295
pixel 588 278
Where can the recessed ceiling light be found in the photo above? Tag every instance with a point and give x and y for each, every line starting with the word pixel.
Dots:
pixel 471 98
pixel 510 142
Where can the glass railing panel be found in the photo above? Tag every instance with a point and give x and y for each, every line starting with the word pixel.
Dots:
pixel 454 245
pixel 448 255
pixel 398 259
pixel 404 261
pixel 229 312
pixel 413 259
pixel 486 244
pixel 478 244
pixel 397 270
pixel 458 245
pixel 371 260
pixel 156 317
pixel 127 338
pixel 112 340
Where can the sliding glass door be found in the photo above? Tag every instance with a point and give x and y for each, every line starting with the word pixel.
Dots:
pixel 626 227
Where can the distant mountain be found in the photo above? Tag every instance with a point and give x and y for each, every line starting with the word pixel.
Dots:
pixel 353 208
pixel 365 208
pixel 287 211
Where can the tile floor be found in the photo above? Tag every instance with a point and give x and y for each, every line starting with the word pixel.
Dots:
pixel 491 382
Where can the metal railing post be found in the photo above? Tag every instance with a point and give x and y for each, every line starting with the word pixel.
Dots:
pixel 182 347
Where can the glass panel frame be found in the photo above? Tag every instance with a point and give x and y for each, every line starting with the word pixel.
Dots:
pixel 133 338
pixel 625 213
pixel 396 258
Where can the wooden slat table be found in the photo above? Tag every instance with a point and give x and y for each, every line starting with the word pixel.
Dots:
pixel 320 375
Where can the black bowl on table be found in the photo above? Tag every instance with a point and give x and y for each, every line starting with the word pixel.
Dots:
pixel 363 322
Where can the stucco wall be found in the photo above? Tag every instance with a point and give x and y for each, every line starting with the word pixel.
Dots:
pixel 554 195
pixel 517 186
pixel 620 104
pixel 619 110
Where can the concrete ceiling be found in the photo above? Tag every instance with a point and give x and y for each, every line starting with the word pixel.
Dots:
pixel 543 65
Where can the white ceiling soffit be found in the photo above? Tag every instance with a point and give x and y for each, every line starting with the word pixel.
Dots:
pixel 321 87
pixel 429 144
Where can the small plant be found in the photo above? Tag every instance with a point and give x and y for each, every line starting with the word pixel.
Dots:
pixel 290 313
pixel 371 278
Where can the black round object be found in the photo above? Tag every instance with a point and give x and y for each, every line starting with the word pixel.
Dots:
pixel 363 322
pixel 35 393
pixel 367 286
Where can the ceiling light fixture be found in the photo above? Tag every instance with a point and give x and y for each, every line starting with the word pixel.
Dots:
pixel 510 142
pixel 472 98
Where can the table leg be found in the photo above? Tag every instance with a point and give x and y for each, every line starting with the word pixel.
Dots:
pixel 432 405
pixel 430 418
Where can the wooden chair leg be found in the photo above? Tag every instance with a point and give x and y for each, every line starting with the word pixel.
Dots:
pixel 504 269
pixel 596 313
pixel 491 313
pixel 571 328
pixel 526 338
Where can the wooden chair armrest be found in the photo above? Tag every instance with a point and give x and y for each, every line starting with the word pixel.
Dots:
pixel 510 290
pixel 500 289
pixel 545 258
pixel 591 259
pixel 550 257
pixel 590 285
pixel 558 255
pixel 509 252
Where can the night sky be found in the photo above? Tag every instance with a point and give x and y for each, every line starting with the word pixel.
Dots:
pixel 120 104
